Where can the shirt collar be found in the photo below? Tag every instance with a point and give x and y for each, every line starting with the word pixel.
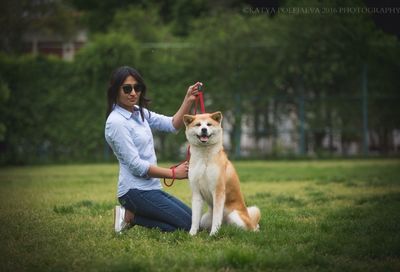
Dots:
pixel 125 113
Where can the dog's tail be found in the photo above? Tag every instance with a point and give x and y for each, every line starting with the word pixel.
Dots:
pixel 255 216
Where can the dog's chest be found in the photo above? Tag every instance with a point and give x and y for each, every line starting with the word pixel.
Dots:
pixel 203 177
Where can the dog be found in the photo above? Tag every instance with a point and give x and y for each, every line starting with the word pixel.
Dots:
pixel 213 178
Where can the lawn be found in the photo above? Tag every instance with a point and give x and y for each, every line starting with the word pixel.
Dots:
pixel 341 215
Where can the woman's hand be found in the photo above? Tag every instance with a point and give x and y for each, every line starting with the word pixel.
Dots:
pixel 190 97
pixel 181 171
pixel 192 92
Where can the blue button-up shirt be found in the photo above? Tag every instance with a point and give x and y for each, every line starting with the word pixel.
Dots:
pixel 132 141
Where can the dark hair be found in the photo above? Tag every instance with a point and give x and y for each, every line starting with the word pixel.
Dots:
pixel 118 77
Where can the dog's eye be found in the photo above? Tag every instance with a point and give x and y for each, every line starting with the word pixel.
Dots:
pixel 198 124
pixel 208 125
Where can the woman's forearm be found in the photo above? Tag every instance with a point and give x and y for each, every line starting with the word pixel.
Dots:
pixel 179 172
pixel 191 94
pixel 159 172
pixel 177 119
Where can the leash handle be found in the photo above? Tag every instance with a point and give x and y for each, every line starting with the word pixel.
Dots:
pixel 175 166
pixel 173 176
pixel 199 99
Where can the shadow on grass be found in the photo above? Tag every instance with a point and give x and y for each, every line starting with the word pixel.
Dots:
pixel 370 229
pixel 364 236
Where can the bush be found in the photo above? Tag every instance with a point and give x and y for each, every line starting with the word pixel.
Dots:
pixel 56 109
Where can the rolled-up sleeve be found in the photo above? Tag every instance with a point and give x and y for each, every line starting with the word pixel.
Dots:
pixel 119 138
pixel 160 122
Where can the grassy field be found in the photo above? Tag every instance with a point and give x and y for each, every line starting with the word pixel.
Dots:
pixel 316 216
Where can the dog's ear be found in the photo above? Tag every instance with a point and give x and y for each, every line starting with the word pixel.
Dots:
pixel 187 119
pixel 217 116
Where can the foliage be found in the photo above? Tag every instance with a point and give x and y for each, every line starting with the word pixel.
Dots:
pixel 61 106
pixel 255 61
pixel 4 95
pixel 98 14
pixel 143 25
pixel 24 17
pixel 257 69
pixel 34 111
pixel 177 14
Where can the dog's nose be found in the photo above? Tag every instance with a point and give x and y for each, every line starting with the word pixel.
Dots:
pixel 204 130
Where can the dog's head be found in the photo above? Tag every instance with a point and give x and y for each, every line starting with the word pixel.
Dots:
pixel 203 129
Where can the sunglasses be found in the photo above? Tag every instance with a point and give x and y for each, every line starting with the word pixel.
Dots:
pixel 127 88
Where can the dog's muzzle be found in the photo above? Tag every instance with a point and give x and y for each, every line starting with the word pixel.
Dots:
pixel 204 135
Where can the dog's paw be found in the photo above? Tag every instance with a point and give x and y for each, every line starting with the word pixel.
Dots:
pixel 214 231
pixel 215 228
pixel 193 232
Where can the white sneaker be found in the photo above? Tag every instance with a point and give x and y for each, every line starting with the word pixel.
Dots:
pixel 119 219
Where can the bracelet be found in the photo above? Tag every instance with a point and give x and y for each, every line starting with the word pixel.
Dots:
pixel 173 173
pixel 173 177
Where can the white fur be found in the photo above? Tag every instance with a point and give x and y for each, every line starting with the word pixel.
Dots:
pixel 206 219
pixel 234 219
pixel 253 211
pixel 203 180
pixel 205 138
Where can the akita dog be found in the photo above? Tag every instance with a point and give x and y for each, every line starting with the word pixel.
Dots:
pixel 214 179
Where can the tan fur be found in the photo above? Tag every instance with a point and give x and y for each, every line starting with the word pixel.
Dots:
pixel 213 177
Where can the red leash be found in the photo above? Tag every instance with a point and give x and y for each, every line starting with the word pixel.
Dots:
pixel 175 166
pixel 199 99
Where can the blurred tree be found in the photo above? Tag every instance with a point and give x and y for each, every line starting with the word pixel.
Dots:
pixel 179 14
pixel 97 15
pixel 383 91
pixel 231 55
pixel 324 55
pixel 144 24
pixel 27 16
pixel 257 69
pixel 182 13
pixel 56 109
pixel 33 114
pixel 315 58
pixel 4 96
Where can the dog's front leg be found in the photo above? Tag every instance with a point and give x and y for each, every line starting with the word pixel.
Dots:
pixel 218 211
pixel 197 206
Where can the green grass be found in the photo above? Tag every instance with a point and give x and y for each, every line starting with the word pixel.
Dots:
pixel 332 215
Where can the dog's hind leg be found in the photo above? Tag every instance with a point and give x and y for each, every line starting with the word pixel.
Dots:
pixel 234 218
pixel 255 215
pixel 206 220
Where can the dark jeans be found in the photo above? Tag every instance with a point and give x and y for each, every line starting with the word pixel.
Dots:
pixel 157 209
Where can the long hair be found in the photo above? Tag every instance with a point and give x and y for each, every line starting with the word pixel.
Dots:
pixel 118 77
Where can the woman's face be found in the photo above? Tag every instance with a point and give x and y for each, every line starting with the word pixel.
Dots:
pixel 129 99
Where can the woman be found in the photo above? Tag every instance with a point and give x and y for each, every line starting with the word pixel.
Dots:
pixel 128 132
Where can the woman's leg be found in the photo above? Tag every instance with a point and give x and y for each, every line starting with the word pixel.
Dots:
pixel 178 202
pixel 157 209
pixel 139 220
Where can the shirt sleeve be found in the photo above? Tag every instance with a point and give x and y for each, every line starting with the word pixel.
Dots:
pixel 119 138
pixel 160 122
